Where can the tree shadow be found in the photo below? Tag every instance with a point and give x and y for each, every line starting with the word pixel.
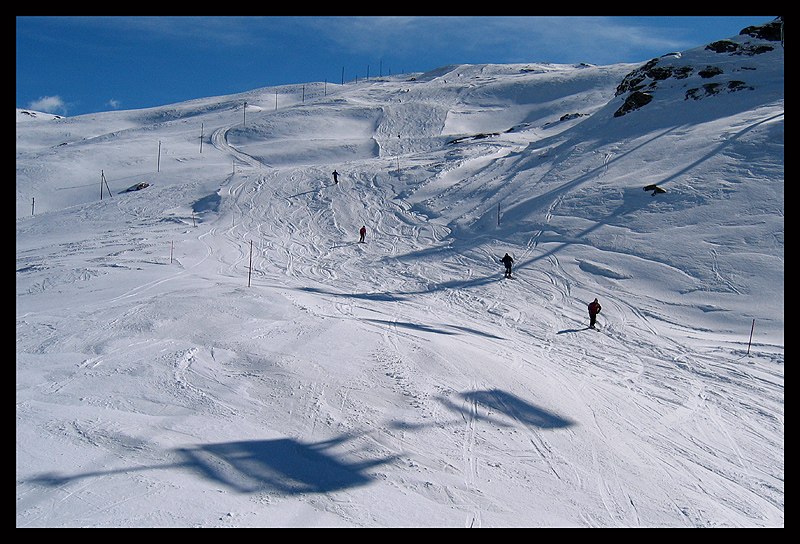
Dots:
pixel 284 465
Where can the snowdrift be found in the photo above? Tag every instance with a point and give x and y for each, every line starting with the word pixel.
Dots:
pixel 217 349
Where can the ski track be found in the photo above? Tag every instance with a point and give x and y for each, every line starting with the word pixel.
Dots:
pixel 322 208
pixel 303 231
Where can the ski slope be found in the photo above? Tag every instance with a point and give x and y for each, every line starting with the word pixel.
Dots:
pixel 404 381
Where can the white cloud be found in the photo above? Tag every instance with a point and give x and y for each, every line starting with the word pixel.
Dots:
pixel 49 104
pixel 503 39
pixel 115 104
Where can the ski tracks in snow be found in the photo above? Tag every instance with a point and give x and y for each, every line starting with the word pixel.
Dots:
pixel 470 460
pixel 304 229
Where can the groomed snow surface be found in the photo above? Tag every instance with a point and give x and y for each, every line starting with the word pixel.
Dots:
pixel 403 381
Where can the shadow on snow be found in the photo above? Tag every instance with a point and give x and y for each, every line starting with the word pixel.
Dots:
pixel 284 465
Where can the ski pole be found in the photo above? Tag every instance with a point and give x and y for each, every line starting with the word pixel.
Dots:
pixel 751 336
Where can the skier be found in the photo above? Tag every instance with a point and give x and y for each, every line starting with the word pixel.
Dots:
pixel 507 260
pixel 335 176
pixel 362 232
pixel 594 309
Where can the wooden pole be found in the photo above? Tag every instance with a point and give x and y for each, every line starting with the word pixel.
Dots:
pixel 201 137
pixel 250 271
pixel 159 156
pixel 244 114
pixel 33 202
pixel 103 181
pixel 171 249
pixel 107 187
pixel 751 336
pixel 498 214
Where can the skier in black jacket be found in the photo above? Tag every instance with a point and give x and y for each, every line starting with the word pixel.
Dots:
pixel 507 260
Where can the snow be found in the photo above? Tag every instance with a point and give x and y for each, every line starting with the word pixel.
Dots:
pixel 403 381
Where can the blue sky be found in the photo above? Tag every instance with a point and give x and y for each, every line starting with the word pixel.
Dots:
pixel 77 65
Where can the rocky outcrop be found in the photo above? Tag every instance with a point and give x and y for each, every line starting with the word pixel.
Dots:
pixel 730 46
pixel 711 89
pixel 643 84
pixel 635 100
pixel 772 31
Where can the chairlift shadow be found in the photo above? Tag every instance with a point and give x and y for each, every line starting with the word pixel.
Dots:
pixel 517 409
pixel 513 407
pixel 282 465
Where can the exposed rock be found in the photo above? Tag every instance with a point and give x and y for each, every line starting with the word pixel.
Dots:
pixel 636 79
pixel 771 31
pixel 729 46
pixel 659 74
pixel 709 71
pixel 655 188
pixel 723 46
pixel 636 100
pixel 711 89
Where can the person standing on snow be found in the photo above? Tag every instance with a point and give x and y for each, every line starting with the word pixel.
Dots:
pixel 335 176
pixel 507 260
pixel 363 233
pixel 594 309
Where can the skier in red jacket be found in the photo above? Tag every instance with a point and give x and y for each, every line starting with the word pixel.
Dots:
pixel 594 309
pixel 363 233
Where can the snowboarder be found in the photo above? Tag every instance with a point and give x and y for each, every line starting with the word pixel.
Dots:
pixel 594 309
pixel 363 233
pixel 335 176
pixel 507 260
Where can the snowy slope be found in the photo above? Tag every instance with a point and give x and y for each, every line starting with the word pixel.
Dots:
pixel 403 381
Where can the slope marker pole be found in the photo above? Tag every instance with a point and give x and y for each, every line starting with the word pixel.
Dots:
pixel 751 336
pixel 103 181
pixel 250 271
